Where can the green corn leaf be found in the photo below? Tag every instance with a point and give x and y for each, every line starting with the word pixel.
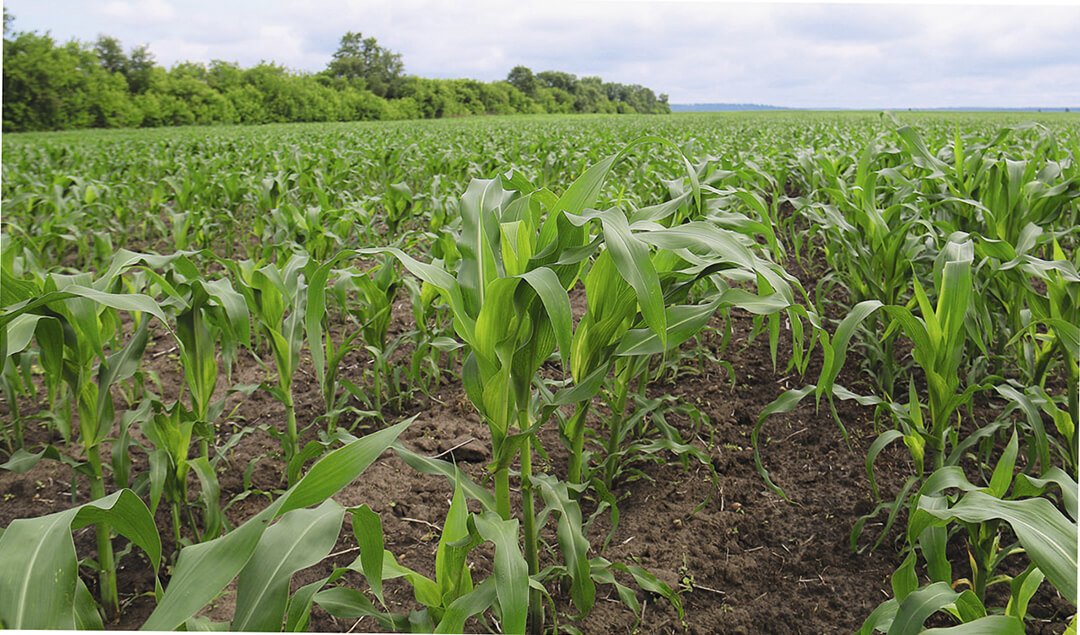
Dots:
pixel 1003 472
pixel 920 605
pixel 472 603
pixel 631 258
pixel 479 238
pixel 836 351
pixel 298 613
pixel 1034 419
pixel 22 461
pixel 120 301
pixel 300 539
pixel 652 584
pixel 496 325
pixel 451 570
pixel 584 191
pixel 683 322
pixel 950 476
pixel 425 590
pixel 350 604
pixel 556 303
pixel 572 542
pixel 706 239
pixel 904 580
pixel 20 330
pixel 511 571
pixel 87 616
pixel 341 467
pixel 425 465
pixel 881 619
pixel 210 491
pixel 38 566
pixel 1049 539
pixel 934 542
pixel 879 444
pixel 197 354
pixel 1023 588
pixel 367 528
pixel 969 607
pixel 922 156
pixel 989 625
pixel 464 320
pixel 786 402
pixel 203 570
pixel 1029 486
pixel 953 303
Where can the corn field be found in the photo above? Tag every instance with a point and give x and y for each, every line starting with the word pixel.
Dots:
pixel 750 372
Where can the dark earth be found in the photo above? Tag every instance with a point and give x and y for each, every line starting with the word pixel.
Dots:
pixel 746 562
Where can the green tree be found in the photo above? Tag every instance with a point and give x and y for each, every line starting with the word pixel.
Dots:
pixel 522 78
pixel 362 58
pixel 140 68
pixel 51 87
pixel 111 54
pixel 136 68
pixel 557 79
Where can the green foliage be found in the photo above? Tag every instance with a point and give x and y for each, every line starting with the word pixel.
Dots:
pixel 78 85
pixel 360 58
pixel 953 245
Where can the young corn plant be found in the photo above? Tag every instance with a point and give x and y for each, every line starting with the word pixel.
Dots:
pixel 452 597
pixel 88 322
pixel 511 309
pixel 872 246
pixel 605 339
pixel 271 291
pixel 366 298
pixel 510 316
pixel 326 355
pixel 44 591
pixel 940 338
pixel 990 518
pixel 208 312
pixel 433 348
pixel 376 290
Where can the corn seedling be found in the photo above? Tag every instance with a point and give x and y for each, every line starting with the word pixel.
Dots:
pixel 1046 536
pixel 270 291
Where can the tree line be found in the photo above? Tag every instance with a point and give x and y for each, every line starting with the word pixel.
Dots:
pixel 52 86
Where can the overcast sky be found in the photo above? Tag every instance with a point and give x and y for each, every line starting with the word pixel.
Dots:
pixel 861 55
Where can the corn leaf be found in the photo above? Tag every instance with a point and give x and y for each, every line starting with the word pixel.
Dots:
pixel 203 570
pixel 39 585
pixel 300 539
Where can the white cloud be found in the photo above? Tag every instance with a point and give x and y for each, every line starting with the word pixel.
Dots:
pixel 867 55
pixel 138 11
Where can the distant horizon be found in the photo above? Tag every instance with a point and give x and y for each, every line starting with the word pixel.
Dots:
pixel 747 106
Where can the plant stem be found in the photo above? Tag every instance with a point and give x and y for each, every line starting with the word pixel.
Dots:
pixel 502 493
pixel 290 427
pixel 577 442
pixel 615 431
pixel 528 514
pixel 1073 375
pixel 887 380
pixel 107 576
pixel 176 522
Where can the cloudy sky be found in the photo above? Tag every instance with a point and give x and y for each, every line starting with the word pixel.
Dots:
pixel 853 55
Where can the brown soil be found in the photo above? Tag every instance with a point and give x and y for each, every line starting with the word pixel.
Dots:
pixel 747 562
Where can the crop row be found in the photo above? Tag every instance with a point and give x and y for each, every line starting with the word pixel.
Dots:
pixel 949 252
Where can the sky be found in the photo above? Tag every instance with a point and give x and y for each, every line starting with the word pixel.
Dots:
pixel 797 54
